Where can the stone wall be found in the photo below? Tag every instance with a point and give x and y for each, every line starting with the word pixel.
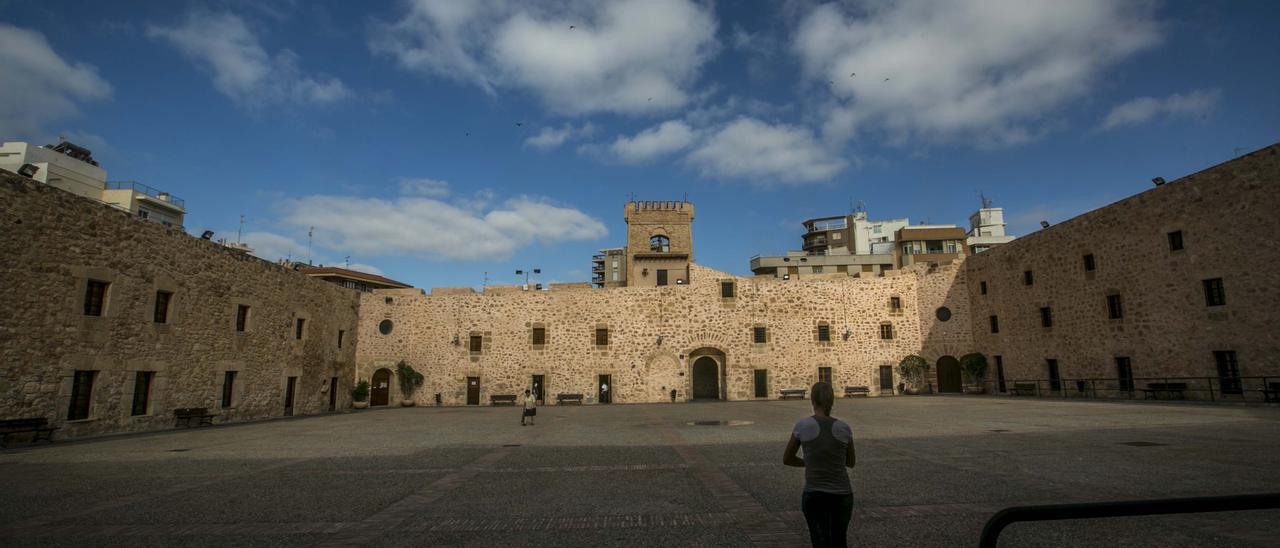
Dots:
pixel 1228 216
pixel 655 333
pixel 53 242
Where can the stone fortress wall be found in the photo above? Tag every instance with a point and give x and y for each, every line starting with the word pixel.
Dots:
pixel 53 242
pixel 1228 217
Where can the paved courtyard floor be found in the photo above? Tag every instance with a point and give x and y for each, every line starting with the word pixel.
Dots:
pixel 931 471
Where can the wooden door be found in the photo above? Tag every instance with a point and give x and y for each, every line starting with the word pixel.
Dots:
pixel 762 383
pixel 380 393
pixel 473 390
pixel 333 393
pixel 288 396
pixel 539 390
pixel 706 379
pixel 949 375
pixel 886 378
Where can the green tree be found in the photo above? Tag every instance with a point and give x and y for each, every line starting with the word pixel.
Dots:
pixel 409 379
pixel 974 366
pixel 912 368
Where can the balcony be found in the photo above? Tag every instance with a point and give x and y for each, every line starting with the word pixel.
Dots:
pixel 148 191
pixel 597 268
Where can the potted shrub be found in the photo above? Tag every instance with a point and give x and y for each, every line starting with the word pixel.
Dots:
pixel 974 367
pixel 360 395
pixel 912 369
pixel 409 380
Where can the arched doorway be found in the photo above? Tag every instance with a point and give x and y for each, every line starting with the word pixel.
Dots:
pixel 949 375
pixel 706 379
pixel 379 392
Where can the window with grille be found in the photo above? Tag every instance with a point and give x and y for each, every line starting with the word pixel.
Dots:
pixel 995 324
pixel 242 317
pixel 1046 317
pixel 660 244
pixel 1214 293
pixel 142 392
pixel 886 331
pixel 162 306
pixel 1089 264
pixel 298 328
pixel 895 304
pixel 95 294
pixel 1175 240
pixel 1114 309
pixel 476 343
pixel 602 336
pixel 81 392
pixel 539 336
pixel 1228 371
pixel 228 387
pixel 824 332
pixel 726 290
pixel 759 335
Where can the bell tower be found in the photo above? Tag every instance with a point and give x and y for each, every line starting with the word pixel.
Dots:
pixel 659 242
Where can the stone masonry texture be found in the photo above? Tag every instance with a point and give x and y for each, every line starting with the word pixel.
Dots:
pixel 54 242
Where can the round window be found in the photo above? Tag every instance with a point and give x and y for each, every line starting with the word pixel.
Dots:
pixel 385 327
pixel 944 313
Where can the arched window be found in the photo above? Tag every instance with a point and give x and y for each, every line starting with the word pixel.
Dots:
pixel 660 244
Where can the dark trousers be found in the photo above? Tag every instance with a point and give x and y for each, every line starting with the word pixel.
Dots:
pixel 828 517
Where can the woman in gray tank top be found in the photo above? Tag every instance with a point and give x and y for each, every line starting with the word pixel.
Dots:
pixel 827 501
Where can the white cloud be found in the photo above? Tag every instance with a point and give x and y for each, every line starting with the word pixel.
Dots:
pixel 551 137
pixel 1144 109
pixel 766 153
pixel 981 71
pixel 625 56
pixel 242 70
pixel 659 140
pixel 430 188
pixel 272 247
pixel 38 86
pixel 434 229
pixel 367 269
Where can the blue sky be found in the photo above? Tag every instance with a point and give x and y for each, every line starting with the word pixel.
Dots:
pixel 437 141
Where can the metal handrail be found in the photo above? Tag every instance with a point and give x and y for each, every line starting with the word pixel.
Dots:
pixel 1124 508
pixel 148 190
pixel 1236 389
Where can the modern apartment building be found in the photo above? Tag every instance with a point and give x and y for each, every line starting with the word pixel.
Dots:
pixel 986 229
pixel 609 268
pixel 73 169
pixel 933 244
pixel 351 279
pixel 849 244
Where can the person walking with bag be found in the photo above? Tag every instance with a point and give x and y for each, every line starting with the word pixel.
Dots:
pixel 530 408
pixel 827 500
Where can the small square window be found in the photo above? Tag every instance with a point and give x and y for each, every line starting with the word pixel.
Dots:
pixel 895 304
pixel 824 332
pixel 477 343
pixel 1027 279
pixel 982 287
pixel 726 290
pixel 602 336
pixel 1214 292
pixel 1175 240
pixel 886 331
pixel 95 294
pixel 539 336
pixel 1114 309
pixel 162 306
pixel 1089 264
pixel 759 335
pixel 1046 317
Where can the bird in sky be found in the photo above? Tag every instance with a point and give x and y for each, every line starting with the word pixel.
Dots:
pixel 651 99
pixel 571 27
pixel 851 74
pixel 519 124
pixel 831 82
pixel 886 79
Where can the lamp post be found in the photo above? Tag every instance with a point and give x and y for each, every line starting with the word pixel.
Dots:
pixel 525 273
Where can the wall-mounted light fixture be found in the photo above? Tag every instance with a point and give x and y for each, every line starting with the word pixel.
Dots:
pixel 659 340
pixel 847 333
pixel 456 342
pixel 1044 224
pixel 679 282
pixel 786 276
pixel 28 170
pixel 1158 181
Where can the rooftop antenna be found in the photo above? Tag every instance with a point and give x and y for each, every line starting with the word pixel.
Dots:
pixel 684 198
pixel 310 231
pixel 240 231
pixel 986 202
pixel 347 260
pixel 485 284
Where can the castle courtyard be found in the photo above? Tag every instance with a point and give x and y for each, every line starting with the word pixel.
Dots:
pixel 930 471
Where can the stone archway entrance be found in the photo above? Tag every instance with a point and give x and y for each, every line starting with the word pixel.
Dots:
pixel 949 375
pixel 706 379
pixel 380 388
pixel 707 374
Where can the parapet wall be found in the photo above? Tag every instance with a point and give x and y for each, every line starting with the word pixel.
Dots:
pixel 53 242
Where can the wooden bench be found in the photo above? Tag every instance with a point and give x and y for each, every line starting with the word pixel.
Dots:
pixel 789 393
pixel 183 416
pixel 1025 389
pixel 1272 392
pixel 502 399
pixel 564 398
pixel 38 426
pixel 851 391
pixel 1165 391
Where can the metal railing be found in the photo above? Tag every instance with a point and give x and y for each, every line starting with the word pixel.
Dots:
pixel 1125 508
pixel 1212 389
pixel 149 191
